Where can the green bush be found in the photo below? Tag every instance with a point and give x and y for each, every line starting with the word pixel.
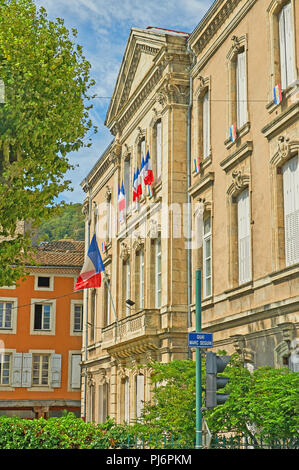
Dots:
pixel 67 432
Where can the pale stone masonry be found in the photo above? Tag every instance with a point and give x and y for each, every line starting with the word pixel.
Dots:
pixel 244 204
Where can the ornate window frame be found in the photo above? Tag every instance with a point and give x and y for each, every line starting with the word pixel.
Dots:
pixel 203 88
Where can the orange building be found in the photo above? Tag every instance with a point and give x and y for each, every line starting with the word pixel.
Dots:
pixel 41 335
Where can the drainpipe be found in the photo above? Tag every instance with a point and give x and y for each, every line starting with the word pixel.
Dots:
pixel 189 273
pixel 86 307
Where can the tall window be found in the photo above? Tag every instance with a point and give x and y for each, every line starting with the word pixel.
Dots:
pixel 207 258
pixel 5 367
pixel 286 46
pixel 127 273
pixel 158 273
pixel 126 400
pixel 139 394
pixel 5 314
pixel 42 317
pixel 127 181
pixel 76 371
pixel 107 306
pixel 78 317
pixel 291 209
pixel 141 279
pixel 158 148
pixel 244 256
pixel 40 370
pixel 206 125
pixel 241 89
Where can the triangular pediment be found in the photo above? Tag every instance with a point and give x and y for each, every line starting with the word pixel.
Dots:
pixel 138 60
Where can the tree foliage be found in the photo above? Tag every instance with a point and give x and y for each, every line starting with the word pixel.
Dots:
pixel 261 404
pixel 68 223
pixel 45 116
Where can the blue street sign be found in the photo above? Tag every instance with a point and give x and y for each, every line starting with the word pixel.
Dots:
pixel 200 340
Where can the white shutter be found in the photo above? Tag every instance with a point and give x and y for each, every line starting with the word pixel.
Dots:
pixel 282 48
pixel 241 90
pixel 76 371
pixel 244 237
pixel 139 395
pixel 158 149
pixel 56 370
pixel 16 371
pixel 206 125
pixel 291 210
pixel 289 44
pixel 27 370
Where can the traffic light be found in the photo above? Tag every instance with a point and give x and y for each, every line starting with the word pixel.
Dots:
pixel 215 365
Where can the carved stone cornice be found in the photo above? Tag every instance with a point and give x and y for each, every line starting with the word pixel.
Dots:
pixel 285 149
pixel 138 244
pixel 124 251
pixel 214 26
pixel 237 156
pixel 240 182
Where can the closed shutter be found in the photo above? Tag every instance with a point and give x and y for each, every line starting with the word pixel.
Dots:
pixel 291 210
pixel 127 182
pixel 158 149
pixel 16 371
pixel 289 44
pixel 27 370
pixel 56 370
pixel 244 237
pixel 241 90
pixel 206 125
pixel 76 371
pixel 139 395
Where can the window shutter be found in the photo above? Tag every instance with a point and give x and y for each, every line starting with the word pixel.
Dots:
pixel 282 47
pixel 241 90
pixel 56 370
pixel 291 210
pixel 289 44
pixel 139 394
pixel 127 181
pixel 16 372
pixel 76 371
pixel 27 370
pixel 244 237
pixel 158 149
pixel 206 125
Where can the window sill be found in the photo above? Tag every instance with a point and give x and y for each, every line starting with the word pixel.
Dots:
pixel 240 133
pixel 40 388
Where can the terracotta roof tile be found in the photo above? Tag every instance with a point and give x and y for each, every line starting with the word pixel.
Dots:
pixel 60 253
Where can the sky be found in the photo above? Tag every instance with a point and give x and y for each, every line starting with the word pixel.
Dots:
pixel 103 30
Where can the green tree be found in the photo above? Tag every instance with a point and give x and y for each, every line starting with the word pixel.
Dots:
pixel 45 116
pixel 68 223
pixel 263 404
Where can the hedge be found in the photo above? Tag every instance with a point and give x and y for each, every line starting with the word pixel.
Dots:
pixel 67 432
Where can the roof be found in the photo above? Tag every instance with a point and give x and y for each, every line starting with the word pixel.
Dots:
pixel 65 252
pixel 167 31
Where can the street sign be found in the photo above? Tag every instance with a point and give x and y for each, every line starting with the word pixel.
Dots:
pixel 200 340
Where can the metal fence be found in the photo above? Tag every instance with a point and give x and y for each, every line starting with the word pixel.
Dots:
pixel 217 442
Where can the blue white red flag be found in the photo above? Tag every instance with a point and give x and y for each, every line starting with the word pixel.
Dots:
pixel 139 184
pixel 121 198
pixel 90 275
pixel 148 172
pixel 277 94
pixel 135 186
pixel 233 132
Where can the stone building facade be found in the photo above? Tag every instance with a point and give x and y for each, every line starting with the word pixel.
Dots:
pixel 148 111
pixel 248 187
pixel 225 200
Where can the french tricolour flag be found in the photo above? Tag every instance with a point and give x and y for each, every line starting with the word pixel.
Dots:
pixel 90 275
pixel 277 94
pixel 121 201
pixel 148 172
pixel 233 132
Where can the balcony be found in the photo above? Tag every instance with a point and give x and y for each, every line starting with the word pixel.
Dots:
pixel 135 333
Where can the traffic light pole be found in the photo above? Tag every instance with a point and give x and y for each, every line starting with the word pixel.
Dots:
pixel 198 442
